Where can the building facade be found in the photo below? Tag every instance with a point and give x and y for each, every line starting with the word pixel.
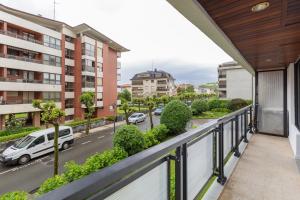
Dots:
pixel 152 83
pixel 45 59
pixel 234 81
pixel 126 86
pixel 204 90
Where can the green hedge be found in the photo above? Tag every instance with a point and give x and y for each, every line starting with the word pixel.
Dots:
pixel 199 106
pixel 17 195
pixel 7 135
pixel 82 122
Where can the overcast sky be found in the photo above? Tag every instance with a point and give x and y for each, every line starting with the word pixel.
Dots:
pixel 157 35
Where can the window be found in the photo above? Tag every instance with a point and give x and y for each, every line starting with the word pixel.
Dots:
pixel 52 42
pixel 69 39
pixel 51 60
pixel 69 53
pixel 57 79
pixel 13 72
pixel 88 49
pixel 64 132
pixel 53 79
pixel 88 81
pixel 69 87
pixel 69 103
pixel 39 140
pixel 69 70
pixel 297 95
pixel 88 65
pixel 50 136
pixel 51 96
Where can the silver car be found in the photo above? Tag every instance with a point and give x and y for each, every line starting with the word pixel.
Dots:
pixel 136 118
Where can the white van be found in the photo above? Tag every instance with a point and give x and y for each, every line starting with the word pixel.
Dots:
pixel 36 144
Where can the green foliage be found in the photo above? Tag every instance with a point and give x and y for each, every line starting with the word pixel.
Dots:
pixel 175 116
pixel 130 138
pixel 224 110
pixel 16 195
pixel 87 99
pixel 82 122
pixel 7 135
pixel 110 118
pixel 125 95
pixel 139 102
pixel 160 132
pixel 50 113
pixel 150 139
pixel 249 102
pixel 236 104
pixel 13 124
pixel 217 103
pixel 199 106
pixel 73 171
pixel 127 110
pixel 52 184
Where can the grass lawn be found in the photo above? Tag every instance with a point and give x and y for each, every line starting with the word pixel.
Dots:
pixel 210 115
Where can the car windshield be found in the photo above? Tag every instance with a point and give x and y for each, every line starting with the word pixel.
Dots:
pixel 134 115
pixel 24 142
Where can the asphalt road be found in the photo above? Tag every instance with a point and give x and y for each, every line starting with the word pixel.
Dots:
pixel 30 176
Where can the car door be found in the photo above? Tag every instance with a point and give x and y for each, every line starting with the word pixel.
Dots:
pixel 50 138
pixel 37 147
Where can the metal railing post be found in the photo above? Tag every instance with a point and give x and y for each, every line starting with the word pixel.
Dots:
pixel 251 120
pixel 245 127
pixel 221 178
pixel 178 174
pixel 215 153
pixel 184 171
pixel 236 148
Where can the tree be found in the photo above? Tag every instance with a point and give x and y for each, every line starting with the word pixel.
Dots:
pixel 125 95
pixel 87 99
pixel 150 103
pixel 190 89
pixel 52 115
pixel 165 99
pixel 139 102
pixel 127 110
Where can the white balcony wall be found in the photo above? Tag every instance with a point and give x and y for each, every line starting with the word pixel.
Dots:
pixel 100 74
pixel 118 102
pixel 86 73
pixel 69 62
pixel 88 57
pixel 118 77
pixel 99 44
pixel 69 111
pixel 68 32
pixel 88 90
pixel 30 66
pixel 88 40
pixel 151 186
pixel 99 88
pixel 69 45
pixel 69 78
pixel 100 59
pixel 24 44
pixel 29 25
pixel 119 89
pixel 99 103
pixel 69 95
pixel 118 54
pixel 19 108
pixel 16 86
pixel 99 95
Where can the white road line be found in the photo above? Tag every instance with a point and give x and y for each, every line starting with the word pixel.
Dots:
pixel 21 167
pixel 101 137
pixel 86 142
pixel 68 149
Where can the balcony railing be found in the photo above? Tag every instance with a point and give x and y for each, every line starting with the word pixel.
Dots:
pixel 88 69
pixel 88 84
pixel 3 79
pixel 22 37
pixel 16 101
pixel 199 155
pixel 21 58
pixel 222 86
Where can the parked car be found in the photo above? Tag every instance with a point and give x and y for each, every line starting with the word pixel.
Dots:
pixel 136 118
pixel 158 111
pixel 36 144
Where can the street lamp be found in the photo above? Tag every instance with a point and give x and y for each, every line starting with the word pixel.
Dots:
pixel 112 108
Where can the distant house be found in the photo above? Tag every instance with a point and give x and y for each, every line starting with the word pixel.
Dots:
pixel 234 81
pixel 204 90
pixel 152 83
pixel 126 86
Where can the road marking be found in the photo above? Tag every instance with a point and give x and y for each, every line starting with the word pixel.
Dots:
pixel 21 167
pixel 86 142
pixel 101 137
pixel 68 149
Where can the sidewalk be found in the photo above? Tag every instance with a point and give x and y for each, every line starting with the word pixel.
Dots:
pixel 95 130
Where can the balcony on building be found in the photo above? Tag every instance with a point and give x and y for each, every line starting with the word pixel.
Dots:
pixel 137 82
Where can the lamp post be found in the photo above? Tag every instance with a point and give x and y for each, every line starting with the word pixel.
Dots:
pixel 113 109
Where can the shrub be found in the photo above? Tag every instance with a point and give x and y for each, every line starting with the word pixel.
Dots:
pixel 249 102
pixel 52 184
pixel 130 138
pixel 175 116
pixel 13 124
pixel 217 103
pixel 225 110
pixel 22 130
pixel 110 118
pixel 150 139
pixel 236 104
pixel 16 195
pixel 7 135
pixel 82 122
pixel 199 106
pixel 73 171
pixel 160 132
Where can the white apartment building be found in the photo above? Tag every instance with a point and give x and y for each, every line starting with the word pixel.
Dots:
pixel 152 83
pixel 234 82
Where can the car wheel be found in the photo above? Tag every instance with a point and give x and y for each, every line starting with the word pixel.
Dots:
pixel 24 159
pixel 65 145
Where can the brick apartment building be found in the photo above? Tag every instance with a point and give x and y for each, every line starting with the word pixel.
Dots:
pixel 46 59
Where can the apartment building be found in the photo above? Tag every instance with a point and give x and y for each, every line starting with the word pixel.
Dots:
pixel 126 86
pixel 152 83
pixel 46 59
pixel 234 81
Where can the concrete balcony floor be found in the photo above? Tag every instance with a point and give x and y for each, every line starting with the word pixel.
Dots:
pixel 266 171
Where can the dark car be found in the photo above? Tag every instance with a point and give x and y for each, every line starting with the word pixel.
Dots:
pixel 158 111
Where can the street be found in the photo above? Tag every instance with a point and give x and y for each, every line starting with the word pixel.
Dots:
pixel 30 176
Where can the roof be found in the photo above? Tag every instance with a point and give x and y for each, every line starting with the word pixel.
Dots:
pixel 156 74
pixel 49 130
pixel 58 25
